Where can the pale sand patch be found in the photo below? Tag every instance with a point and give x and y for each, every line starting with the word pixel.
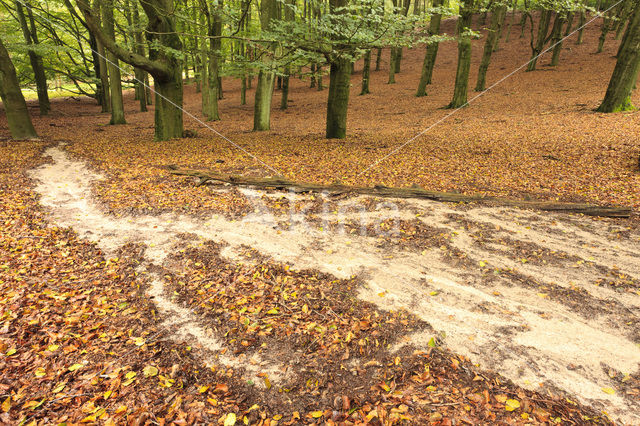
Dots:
pixel 501 325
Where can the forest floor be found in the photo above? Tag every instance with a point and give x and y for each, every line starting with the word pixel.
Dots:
pixel 127 293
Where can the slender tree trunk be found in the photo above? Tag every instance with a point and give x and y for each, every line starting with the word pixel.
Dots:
pixel 243 90
pixel 15 106
pixel 313 76
pixel 464 56
pixel 432 52
pixel 366 72
pixel 556 39
pixel 140 74
pixel 538 45
pixel 492 35
pixel 606 27
pixel 266 78
pixel 319 78
pixel 581 22
pixel 213 88
pixel 625 74
pixel 339 84
pixel 392 66
pixel 570 18
pixel 502 15
pixel 115 79
pixel 284 100
pixel 31 38
pixel 378 58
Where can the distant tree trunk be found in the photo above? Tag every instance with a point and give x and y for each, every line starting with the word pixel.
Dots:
pixel 570 19
pixel 284 100
pixel 319 78
pixel 366 71
pixel 339 83
pixel 538 45
pixel 432 52
pixel 556 38
pixel 464 55
pixel 140 74
pixel 492 36
pixel 392 66
pixel 581 22
pixel 606 27
pixel 115 79
pixel 378 58
pixel 104 73
pixel 502 15
pixel 625 74
pixel 214 22
pixel 266 78
pixel 31 38
pixel 313 76
pixel 243 90
pixel 15 106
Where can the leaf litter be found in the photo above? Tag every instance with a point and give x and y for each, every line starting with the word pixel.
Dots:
pixel 496 297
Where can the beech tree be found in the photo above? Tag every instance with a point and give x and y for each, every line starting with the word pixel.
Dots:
pixel 625 74
pixel 464 54
pixel 163 62
pixel 15 107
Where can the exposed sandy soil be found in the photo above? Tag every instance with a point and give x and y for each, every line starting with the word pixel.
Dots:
pixel 551 302
pixel 537 323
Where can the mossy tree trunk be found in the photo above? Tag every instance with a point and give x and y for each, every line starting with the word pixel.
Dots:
pixel 492 35
pixel 464 55
pixel 607 23
pixel 15 107
pixel 581 22
pixel 31 38
pixel 625 74
pixel 432 51
pixel 140 74
pixel 214 21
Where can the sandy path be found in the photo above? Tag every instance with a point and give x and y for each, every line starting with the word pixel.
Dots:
pixel 521 328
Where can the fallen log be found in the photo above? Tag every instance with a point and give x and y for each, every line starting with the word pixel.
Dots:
pixel 392 192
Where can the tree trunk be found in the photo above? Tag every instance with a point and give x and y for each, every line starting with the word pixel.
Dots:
pixel 115 79
pixel 464 56
pixel 140 74
pixel 432 52
pixel 581 22
pixel 606 27
pixel 492 35
pixel 15 106
pixel 366 72
pixel 266 78
pixel 538 45
pixel 214 22
pixel 625 74
pixel 339 84
pixel 570 19
pixel 378 58
pixel 556 39
pixel 313 76
pixel 284 100
pixel 243 90
pixel 31 38
pixel 262 106
pixel 502 14
pixel 392 66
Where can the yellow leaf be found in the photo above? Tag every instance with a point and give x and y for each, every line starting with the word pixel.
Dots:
pixel 130 375
pixel 6 405
pixel 482 264
pixel 230 420
pixel 40 372
pixel 316 414
pixel 273 311
pixel 305 308
pixel 107 394
pixel 610 391
pixel 203 389
pixel 511 404
pixel 59 388
pixel 121 409
pixel 382 294
pixel 52 348
pixel 74 367
pixel 11 351
pixel 150 371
